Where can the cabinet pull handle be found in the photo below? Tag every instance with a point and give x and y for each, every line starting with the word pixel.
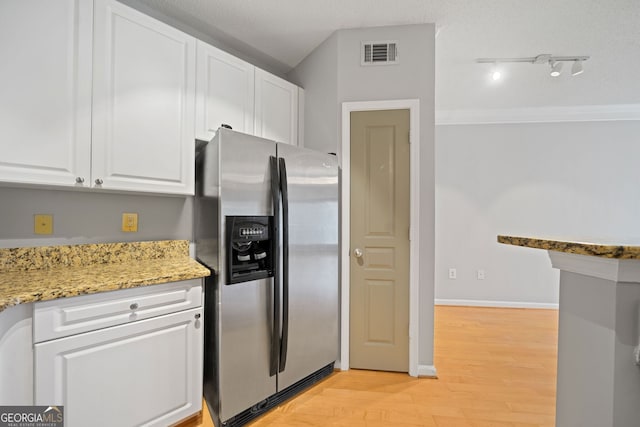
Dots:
pixel 134 306
pixel 98 181
pixel 80 180
pixel 197 316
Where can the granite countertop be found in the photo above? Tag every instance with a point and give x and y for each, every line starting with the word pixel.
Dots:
pixel 604 250
pixel 49 272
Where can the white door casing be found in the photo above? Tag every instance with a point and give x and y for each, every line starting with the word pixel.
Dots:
pixel 413 105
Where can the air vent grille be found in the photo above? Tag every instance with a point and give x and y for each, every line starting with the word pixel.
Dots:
pixel 379 53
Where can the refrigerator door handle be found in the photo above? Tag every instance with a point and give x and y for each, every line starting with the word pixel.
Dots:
pixel 285 264
pixel 275 331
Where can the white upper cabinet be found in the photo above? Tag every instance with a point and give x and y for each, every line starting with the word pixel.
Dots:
pixel 45 91
pixel 225 92
pixel 143 103
pixel 276 108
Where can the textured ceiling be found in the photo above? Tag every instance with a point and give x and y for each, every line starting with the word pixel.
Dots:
pixel 286 31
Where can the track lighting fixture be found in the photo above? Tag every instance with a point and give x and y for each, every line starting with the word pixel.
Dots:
pixel 556 68
pixel 576 68
pixel 555 62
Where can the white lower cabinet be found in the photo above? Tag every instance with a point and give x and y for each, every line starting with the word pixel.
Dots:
pixel 144 373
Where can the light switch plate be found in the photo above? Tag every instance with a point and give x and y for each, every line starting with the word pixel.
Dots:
pixel 43 224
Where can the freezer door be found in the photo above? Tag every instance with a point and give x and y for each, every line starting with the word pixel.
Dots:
pixel 310 331
pixel 244 173
pixel 245 310
pixel 246 315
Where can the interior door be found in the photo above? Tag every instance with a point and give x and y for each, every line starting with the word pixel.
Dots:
pixel 379 264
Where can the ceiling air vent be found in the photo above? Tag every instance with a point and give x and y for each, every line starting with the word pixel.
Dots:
pixel 379 53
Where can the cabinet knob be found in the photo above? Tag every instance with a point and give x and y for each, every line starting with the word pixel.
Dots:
pixel 80 180
pixel 197 316
pixel 134 306
pixel 98 181
pixel 358 253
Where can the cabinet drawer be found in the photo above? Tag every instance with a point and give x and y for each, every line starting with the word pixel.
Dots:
pixel 69 316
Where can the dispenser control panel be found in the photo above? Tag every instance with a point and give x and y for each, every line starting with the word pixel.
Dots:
pixel 250 248
pixel 255 231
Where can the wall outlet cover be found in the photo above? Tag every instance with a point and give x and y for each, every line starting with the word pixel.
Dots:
pixel 130 222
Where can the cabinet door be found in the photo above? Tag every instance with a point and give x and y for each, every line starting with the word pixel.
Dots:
pixel 143 102
pixel 225 92
pixel 16 355
pixel 143 373
pixel 45 91
pixel 276 108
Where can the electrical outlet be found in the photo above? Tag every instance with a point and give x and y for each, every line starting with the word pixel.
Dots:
pixel 480 274
pixel 453 273
pixel 130 222
pixel 43 224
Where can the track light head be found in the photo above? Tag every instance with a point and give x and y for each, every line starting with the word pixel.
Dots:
pixel 556 68
pixel 495 72
pixel 576 68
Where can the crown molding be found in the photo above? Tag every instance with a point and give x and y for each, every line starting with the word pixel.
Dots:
pixel 584 113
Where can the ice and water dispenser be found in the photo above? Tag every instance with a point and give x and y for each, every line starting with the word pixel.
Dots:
pixel 250 248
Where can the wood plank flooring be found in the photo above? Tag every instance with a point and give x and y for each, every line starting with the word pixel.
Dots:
pixel 496 368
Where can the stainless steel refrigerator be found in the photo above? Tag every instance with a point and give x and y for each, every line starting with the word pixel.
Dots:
pixel 266 221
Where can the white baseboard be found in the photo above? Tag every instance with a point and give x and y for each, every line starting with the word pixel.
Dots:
pixel 428 371
pixel 506 304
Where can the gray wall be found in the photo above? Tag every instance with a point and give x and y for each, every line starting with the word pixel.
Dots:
pixel 412 78
pixel 568 180
pixel 89 217
pixel 318 75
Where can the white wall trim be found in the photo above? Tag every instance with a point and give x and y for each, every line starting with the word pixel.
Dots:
pixel 488 303
pixel 584 113
pixel 428 371
pixel 344 156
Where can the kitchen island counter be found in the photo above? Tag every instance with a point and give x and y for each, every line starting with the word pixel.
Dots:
pixel 598 383
pixel 579 247
pixel 50 272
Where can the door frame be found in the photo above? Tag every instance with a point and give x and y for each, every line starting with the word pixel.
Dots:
pixel 344 157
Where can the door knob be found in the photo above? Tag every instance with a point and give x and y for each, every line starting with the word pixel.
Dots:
pixel 358 252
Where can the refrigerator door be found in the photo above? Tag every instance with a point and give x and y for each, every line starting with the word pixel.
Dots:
pixel 310 330
pixel 245 317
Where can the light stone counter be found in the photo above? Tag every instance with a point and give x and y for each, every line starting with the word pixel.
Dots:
pixel 50 272
pixel 598 381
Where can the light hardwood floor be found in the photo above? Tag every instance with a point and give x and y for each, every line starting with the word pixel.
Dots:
pixel 496 368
